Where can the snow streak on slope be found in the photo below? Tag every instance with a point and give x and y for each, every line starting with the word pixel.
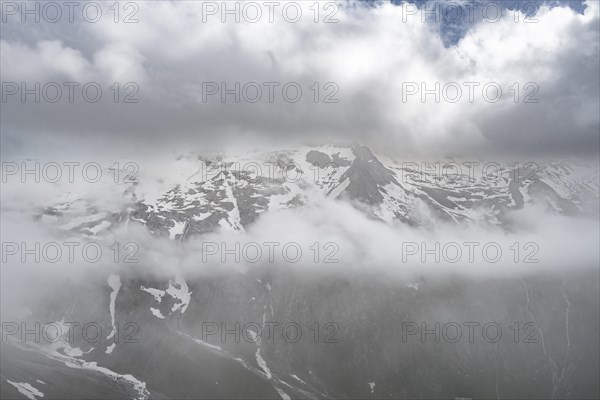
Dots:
pixel 139 387
pixel 114 281
pixel 233 218
pixel 178 289
pixel 26 390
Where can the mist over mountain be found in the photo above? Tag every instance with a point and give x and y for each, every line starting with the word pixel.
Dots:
pixel 341 199
pixel 224 258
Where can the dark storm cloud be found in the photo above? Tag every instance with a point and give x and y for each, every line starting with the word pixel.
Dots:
pixel 368 57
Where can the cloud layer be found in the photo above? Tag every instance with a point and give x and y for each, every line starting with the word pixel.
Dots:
pixel 371 54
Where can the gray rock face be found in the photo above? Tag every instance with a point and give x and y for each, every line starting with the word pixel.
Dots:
pixel 546 349
pixel 317 157
pixel 367 176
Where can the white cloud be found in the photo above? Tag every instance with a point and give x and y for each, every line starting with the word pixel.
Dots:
pixel 370 53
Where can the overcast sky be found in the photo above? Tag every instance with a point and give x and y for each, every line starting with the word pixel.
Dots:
pixel 370 57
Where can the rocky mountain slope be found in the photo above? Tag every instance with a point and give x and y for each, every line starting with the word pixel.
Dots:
pixel 233 333
pixel 203 193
